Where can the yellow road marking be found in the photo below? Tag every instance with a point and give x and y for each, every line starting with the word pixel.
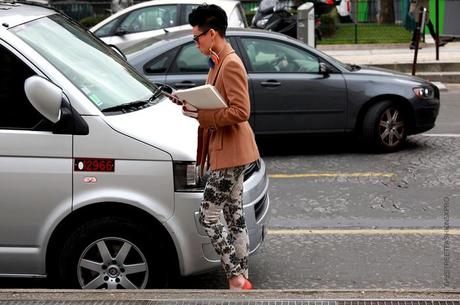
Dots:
pixel 309 175
pixel 363 232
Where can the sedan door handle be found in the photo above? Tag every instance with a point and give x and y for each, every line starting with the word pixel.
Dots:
pixel 270 83
pixel 185 84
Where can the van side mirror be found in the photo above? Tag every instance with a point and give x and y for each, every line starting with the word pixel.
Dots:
pixel 45 96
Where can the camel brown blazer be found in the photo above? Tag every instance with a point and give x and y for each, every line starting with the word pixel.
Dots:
pixel 225 138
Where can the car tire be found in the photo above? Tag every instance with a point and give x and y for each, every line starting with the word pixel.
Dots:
pixel 385 126
pixel 113 253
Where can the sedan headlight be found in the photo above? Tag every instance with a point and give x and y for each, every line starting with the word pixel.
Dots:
pixel 424 93
pixel 187 178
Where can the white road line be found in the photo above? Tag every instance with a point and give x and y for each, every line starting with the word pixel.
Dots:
pixel 363 232
pixel 314 175
pixel 444 135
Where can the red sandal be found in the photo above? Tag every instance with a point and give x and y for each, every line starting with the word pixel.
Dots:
pixel 247 285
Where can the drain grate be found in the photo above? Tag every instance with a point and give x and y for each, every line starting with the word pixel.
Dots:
pixel 237 302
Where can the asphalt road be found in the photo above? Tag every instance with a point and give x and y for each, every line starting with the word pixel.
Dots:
pixel 343 218
pixel 355 220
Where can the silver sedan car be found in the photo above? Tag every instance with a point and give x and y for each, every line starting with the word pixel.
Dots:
pixel 152 18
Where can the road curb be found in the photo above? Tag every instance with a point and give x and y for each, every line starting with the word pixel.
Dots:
pixel 431 71
pixel 271 294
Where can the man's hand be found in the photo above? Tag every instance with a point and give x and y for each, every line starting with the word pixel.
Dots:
pixel 189 110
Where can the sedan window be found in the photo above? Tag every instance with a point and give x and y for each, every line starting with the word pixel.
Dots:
pixel 160 64
pixel 270 56
pixel 190 60
pixel 189 8
pixel 107 29
pixel 150 18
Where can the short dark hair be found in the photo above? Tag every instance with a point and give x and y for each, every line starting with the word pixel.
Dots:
pixel 209 17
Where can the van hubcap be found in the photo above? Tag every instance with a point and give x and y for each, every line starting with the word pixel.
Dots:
pixel 113 271
pixel 112 263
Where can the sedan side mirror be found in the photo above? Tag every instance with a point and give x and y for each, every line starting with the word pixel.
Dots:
pixel 45 96
pixel 324 68
pixel 120 32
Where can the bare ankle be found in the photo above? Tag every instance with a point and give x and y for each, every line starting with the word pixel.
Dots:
pixel 236 282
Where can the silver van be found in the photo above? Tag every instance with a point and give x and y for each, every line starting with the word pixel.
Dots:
pixel 98 186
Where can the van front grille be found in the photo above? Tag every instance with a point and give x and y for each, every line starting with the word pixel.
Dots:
pixel 253 167
pixel 259 207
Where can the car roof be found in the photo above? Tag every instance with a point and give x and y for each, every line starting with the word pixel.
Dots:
pixel 13 13
pixel 179 36
pixel 226 5
pixel 165 41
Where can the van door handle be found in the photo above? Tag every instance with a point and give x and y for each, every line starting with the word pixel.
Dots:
pixel 270 83
pixel 185 84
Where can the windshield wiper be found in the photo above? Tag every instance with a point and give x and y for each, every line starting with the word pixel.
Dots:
pixel 131 105
pixel 136 104
pixel 158 91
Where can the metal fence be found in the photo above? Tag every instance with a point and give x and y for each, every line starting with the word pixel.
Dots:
pixel 370 21
pixel 78 10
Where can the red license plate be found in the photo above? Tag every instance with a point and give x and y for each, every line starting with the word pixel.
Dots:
pixel 94 165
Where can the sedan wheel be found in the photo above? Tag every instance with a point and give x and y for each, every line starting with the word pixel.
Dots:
pixel 392 127
pixel 385 126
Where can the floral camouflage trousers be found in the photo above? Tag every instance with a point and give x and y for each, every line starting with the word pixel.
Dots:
pixel 224 192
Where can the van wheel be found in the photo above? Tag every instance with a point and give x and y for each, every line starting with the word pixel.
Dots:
pixel 385 126
pixel 113 253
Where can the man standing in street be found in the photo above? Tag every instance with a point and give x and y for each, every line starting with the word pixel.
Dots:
pixel 414 11
pixel 226 144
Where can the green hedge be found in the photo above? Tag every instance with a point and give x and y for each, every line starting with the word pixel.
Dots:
pixel 91 21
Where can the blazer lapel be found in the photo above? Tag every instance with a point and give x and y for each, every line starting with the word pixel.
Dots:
pixel 214 72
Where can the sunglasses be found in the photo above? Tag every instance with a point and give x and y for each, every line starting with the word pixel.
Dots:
pixel 196 38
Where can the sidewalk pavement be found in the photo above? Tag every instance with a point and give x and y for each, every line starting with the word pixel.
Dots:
pixel 400 58
pixel 226 297
pixel 372 54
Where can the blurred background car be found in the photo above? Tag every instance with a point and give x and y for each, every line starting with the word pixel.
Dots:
pixel 151 18
pixel 344 10
pixel 297 89
pixel 281 17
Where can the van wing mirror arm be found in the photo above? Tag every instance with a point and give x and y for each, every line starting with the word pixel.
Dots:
pixel 71 121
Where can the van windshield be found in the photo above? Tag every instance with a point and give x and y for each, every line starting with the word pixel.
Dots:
pixel 105 78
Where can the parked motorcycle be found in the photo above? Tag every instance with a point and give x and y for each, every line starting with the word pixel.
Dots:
pixel 278 16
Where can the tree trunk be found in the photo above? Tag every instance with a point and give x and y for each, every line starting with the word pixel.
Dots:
pixel 387 13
